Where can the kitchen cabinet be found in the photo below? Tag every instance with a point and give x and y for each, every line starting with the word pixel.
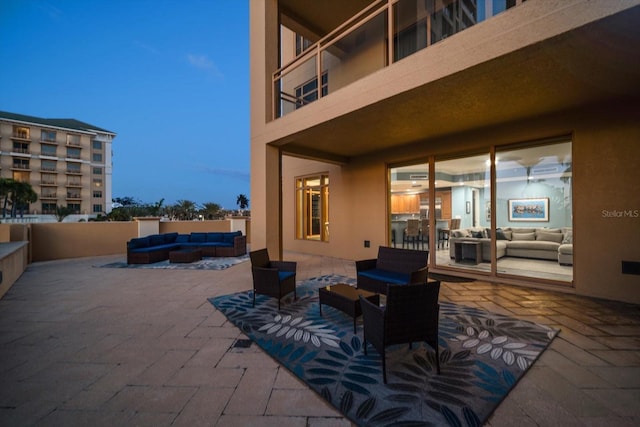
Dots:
pixel 405 203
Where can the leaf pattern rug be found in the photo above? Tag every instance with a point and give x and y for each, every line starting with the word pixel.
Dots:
pixel 213 263
pixel 482 357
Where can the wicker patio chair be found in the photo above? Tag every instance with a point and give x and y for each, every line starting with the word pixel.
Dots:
pixel 272 278
pixel 411 314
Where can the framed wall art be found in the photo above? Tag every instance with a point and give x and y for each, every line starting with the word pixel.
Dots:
pixel 529 209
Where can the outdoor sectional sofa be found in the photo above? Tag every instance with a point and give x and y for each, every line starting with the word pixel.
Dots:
pixel 393 265
pixel 539 243
pixel 156 247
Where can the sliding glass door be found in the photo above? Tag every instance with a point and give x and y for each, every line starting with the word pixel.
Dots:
pixel 525 232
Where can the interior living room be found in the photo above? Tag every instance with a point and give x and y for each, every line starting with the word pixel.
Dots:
pixel 533 198
pixel 517 119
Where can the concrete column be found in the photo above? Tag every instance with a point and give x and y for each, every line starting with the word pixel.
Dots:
pixel 266 185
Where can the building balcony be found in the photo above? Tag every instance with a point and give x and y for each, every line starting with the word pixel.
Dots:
pixel 74 196
pixel 74 171
pixel 529 60
pixel 49 196
pixel 74 184
pixel 18 166
pixel 359 46
pixel 23 136
pixel 49 141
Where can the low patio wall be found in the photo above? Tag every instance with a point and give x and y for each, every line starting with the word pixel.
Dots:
pixel 21 244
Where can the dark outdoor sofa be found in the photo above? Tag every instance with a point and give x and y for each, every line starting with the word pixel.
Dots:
pixel 155 248
pixel 393 265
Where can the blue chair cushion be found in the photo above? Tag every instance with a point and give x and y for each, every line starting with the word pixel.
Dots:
pixel 198 237
pixel 139 242
pixel 182 238
pixel 230 237
pixel 283 275
pixel 386 276
pixel 156 240
pixel 170 237
pixel 214 237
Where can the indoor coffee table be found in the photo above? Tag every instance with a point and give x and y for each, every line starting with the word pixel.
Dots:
pixel 185 255
pixel 346 299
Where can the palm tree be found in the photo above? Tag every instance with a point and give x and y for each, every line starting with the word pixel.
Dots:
pixel 243 202
pixel 211 210
pixel 185 209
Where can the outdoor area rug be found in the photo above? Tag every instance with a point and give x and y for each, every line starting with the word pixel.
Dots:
pixel 482 357
pixel 215 263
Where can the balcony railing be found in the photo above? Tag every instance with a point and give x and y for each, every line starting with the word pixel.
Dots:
pixel 360 46
pixel 21 135
pixel 49 196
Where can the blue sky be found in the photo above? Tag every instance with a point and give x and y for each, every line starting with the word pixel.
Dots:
pixel 170 78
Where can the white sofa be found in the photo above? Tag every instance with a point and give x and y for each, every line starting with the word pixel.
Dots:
pixel 539 243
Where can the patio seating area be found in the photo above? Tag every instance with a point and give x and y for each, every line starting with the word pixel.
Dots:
pixel 92 346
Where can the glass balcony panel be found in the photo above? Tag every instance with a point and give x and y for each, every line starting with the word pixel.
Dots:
pixel 295 89
pixel 356 54
pixel 361 45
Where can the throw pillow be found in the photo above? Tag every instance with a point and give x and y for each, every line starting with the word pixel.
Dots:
pixel 487 233
pixel 508 234
pixel 549 237
pixel 568 238
pixel 500 234
pixel 477 234
pixel 524 236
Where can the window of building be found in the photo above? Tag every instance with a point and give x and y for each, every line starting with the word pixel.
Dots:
pixel 312 208
pixel 20 163
pixel 97 208
pixel 302 44
pixel 73 140
pixel 48 179
pixel 525 230
pixel 73 167
pixel 97 194
pixel 75 181
pixel 48 193
pixel 73 153
pixel 20 147
pixel 48 165
pixel 21 132
pixel 48 150
pixel 97 182
pixel 48 208
pixel 97 171
pixel 97 157
pixel 308 92
pixel 410 200
pixel 48 136
pixel 97 145
pixel 534 199
pixel 21 176
pixel 75 207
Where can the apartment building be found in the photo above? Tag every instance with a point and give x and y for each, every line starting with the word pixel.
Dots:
pixel 67 162
pixel 489 116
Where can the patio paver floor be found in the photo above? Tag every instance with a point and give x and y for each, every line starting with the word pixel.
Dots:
pixel 104 346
